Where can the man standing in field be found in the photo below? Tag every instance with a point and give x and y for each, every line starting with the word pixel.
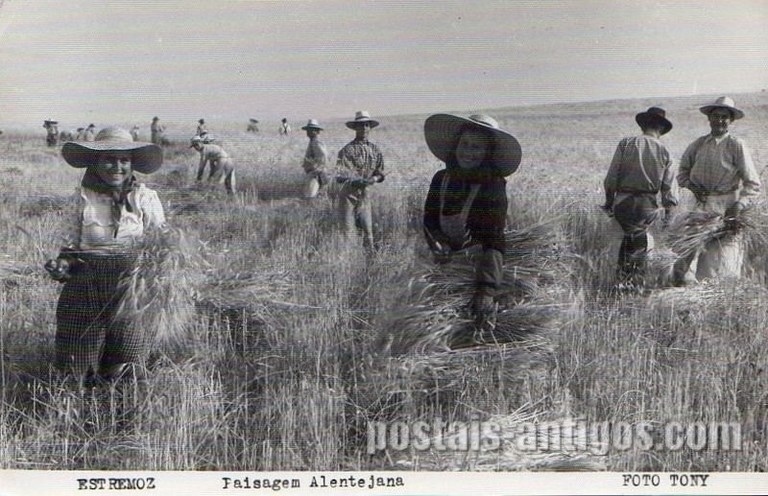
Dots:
pixel 640 169
pixel 719 171
pixel 285 128
pixel 157 131
pixel 201 128
pixel 360 165
pixel 222 167
pixel 90 133
pixel 52 132
pixel 314 160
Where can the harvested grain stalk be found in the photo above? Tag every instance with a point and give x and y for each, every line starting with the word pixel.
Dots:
pixel 159 293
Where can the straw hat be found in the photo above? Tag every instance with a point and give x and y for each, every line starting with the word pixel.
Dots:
pixel 723 102
pixel 362 117
pixel 312 124
pixel 442 134
pixel 145 157
pixel 654 115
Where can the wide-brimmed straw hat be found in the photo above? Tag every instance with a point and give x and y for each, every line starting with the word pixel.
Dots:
pixel 362 117
pixel 723 102
pixel 312 124
pixel 442 134
pixel 145 157
pixel 654 115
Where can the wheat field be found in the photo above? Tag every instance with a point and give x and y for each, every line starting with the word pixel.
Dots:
pixel 276 363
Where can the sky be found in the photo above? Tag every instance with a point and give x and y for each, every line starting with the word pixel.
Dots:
pixel 112 61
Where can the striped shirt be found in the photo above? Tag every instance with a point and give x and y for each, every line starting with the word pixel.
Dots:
pixel 641 164
pixel 361 157
pixel 719 165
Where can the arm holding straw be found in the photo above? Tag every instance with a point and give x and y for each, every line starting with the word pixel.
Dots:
pixel 59 268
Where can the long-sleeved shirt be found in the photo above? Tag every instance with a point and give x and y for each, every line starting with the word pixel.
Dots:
pixel 210 153
pixel 640 164
pixel 487 216
pixel 316 156
pixel 480 207
pixel 719 165
pixel 362 158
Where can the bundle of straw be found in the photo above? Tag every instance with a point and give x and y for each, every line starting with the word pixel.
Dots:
pixel 433 315
pixel 159 293
pixel 690 232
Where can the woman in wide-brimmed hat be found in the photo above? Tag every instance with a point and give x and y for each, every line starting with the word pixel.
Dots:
pixel 466 205
pixel 114 212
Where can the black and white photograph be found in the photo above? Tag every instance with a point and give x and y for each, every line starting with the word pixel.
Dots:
pixel 383 247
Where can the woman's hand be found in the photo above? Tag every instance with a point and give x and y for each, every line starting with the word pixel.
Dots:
pixel 58 269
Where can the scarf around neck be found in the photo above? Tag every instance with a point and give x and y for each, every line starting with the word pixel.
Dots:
pixel 119 194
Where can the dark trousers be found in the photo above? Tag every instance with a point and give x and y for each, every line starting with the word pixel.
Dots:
pixel 90 339
pixel 635 214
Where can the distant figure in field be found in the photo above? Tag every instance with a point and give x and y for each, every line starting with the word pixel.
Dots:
pixel 284 128
pixel 253 126
pixel 222 167
pixel 315 159
pixel 135 133
pixel 201 128
pixel 66 136
pixel 90 133
pixel 360 164
pixel 466 205
pixel 641 169
pixel 158 131
pixel 113 213
pixel 718 169
pixel 51 132
pixel 80 136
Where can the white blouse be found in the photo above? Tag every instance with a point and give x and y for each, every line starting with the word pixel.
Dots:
pixel 98 231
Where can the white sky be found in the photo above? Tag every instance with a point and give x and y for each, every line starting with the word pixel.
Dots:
pixel 106 61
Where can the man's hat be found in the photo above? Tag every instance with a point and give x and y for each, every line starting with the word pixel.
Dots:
pixel 654 115
pixel 442 132
pixel 362 117
pixel 91 125
pixel 50 123
pixel 145 157
pixel 312 124
pixel 253 120
pixel 201 121
pixel 723 102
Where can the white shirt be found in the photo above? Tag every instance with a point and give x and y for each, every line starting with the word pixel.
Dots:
pixel 98 230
